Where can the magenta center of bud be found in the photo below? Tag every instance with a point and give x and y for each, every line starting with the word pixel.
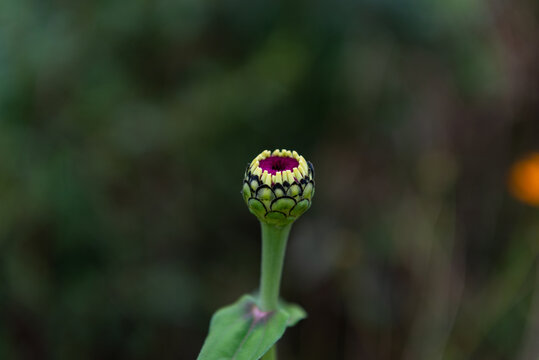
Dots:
pixel 273 164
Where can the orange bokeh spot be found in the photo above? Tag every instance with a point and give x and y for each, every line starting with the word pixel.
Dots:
pixel 524 179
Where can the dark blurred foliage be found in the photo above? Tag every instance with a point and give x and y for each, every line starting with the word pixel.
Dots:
pixel 125 128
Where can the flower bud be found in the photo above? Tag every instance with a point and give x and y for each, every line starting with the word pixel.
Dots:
pixel 278 186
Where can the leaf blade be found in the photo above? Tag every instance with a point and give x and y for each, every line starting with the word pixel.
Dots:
pixel 241 331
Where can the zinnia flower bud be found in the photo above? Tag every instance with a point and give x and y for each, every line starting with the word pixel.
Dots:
pixel 278 186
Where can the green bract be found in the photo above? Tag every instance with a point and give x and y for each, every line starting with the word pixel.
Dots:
pixel 278 186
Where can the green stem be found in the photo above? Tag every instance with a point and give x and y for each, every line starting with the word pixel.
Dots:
pixel 274 239
pixel 271 354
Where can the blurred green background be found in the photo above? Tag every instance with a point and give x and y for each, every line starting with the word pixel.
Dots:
pixel 125 128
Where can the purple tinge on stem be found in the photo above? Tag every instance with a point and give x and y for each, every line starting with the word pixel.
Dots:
pixel 259 315
pixel 273 164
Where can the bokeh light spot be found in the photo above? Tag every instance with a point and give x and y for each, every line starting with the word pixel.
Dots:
pixel 524 179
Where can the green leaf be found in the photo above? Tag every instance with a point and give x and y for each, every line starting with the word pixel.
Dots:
pixel 295 313
pixel 241 331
